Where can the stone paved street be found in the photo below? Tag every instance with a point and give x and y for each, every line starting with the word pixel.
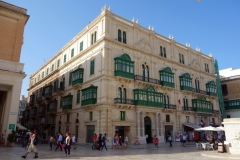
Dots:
pixel 134 152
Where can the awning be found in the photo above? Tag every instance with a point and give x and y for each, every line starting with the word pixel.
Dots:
pixel 20 127
pixel 194 126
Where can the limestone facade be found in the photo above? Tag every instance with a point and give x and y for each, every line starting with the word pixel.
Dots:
pixel 119 89
pixel 12 23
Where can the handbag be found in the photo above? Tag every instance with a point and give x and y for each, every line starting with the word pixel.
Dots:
pixel 35 141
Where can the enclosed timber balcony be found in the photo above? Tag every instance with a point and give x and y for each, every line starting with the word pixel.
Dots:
pixel 41 110
pixel 89 95
pixel 77 76
pixel 232 104
pixel 47 91
pixel 52 107
pixel 31 102
pixel 123 101
pixel 67 102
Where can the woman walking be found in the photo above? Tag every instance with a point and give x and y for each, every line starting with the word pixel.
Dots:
pixel 67 145
pixel 31 146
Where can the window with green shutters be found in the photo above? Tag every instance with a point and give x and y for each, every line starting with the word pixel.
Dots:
pixel 122 115
pixel 68 118
pixel 78 96
pixel 145 73
pixel 47 72
pixel 124 37
pixel 67 102
pixel 70 78
pixel 93 37
pixel 148 97
pixel 181 58
pixel 89 95
pixel 65 58
pixel 55 86
pixel 119 35
pixel 167 118
pixel 185 104
pixel 52 67
pixel 167 77
pixel 185 82
pixel 43 74
pixel 39 77
pixel 58 63
pixel 35 81
pixel 211 88
pixel 81 46
pixel 72 52
pixel 124 67
pixel 92 67
pixel 90 116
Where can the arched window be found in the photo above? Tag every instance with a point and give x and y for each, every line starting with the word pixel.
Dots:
pixel 78 96
pixel 185 103
pixel 166 101
pixel 119 35
pixel 145 73
pixel 124 37
pixel 197 85
pixel 122 95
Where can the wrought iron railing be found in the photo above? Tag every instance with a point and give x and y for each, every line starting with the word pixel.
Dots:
pixel 170 106
pixel 185 108
pixel 199 91
pixel 123 101
pixel 146 79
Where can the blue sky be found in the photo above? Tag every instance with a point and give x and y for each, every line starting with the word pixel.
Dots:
pixel 211 25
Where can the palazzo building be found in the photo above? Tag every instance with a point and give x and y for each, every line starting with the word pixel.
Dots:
pixel 230 80
pixel 12 23
pixel 116 76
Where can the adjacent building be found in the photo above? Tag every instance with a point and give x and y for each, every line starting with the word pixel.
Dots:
pixel 12 23
pixel 116 76
pixel 22 107
pixel 230 80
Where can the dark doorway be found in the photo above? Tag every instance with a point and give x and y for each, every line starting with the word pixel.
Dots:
pixel 76 133
pixel 148 128
pixel 168 131
pixel 119 130
pixel 90 132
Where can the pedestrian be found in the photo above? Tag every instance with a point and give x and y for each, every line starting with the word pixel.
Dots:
pixel 73 141
pixel 146 138
pixel 56 140
pixel 117 140
pixel 95 138
pixel 170 140
pixel 184 137
pixel 120 142
pixel 126 141
pixel 67 144
pixel 114 142
pixel 181 140
pixel 104 141
pixel 100 141
pixel 31 146
pixel 59 141
pixel 51 141
pixel 155 141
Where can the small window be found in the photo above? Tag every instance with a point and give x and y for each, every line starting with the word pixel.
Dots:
pixel 187 119
pixel 68 118
pixel 78 96
pixel 93 37
pixel 119 35
pixel 90 116
pixel 47 72
pixel 167 118
pixel 224 90
pixel 81 46
pixel 43 74
pixel 65 58
pixel 72 53
pixel 181 58
pixel 58 63
pixel 163 52
pixel 52 67
pixel 122 115
pixel 39 77
pixel 92 67
pixel 206 67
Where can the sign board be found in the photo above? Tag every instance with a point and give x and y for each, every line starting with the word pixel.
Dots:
pixel 11 126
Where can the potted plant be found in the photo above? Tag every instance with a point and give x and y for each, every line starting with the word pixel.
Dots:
pixel 11 138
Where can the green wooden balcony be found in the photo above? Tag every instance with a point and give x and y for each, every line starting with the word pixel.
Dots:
pixel 205 110
pixel 232 104
pixel 66 107
pixel 185 88
pixel 212 94
pixel 124 74
pixel 89 101
pixel 77 76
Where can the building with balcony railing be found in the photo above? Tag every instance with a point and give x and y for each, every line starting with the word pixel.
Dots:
pixel 117 76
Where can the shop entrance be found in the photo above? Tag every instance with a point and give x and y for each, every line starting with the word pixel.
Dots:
pixel 90 132
pixel 148 128
pixel 123 131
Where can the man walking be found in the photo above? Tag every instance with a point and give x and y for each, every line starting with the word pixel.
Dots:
pixel 146 138
pixel 104 141
pixel 59 142
pixel 31 146
pixel 73 141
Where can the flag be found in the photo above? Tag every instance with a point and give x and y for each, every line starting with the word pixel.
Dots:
pixel 179 101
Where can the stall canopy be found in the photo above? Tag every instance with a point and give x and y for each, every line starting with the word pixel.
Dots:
pixel 194 126
pixel 20 127
pixel 221 128
pixel 209 128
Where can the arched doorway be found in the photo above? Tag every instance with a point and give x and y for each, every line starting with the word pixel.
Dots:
pixel 148 128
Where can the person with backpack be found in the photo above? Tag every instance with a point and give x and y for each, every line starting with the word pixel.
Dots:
pixel 32 146
pixel 104 141
pixel 170 140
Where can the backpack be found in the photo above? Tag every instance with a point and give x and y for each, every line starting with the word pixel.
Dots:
pixel 35 141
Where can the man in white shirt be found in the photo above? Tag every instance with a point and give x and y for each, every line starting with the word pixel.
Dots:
pixel 59 141
pixel 73 140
